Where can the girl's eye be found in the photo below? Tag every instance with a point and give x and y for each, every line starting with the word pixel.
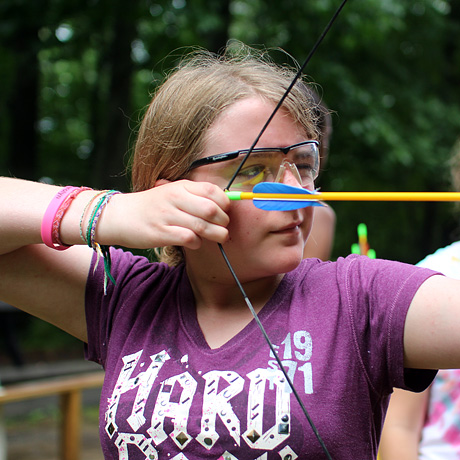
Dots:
pixel 306 169
pixel 250 176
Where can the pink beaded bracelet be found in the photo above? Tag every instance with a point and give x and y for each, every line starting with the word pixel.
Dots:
pixel 46 229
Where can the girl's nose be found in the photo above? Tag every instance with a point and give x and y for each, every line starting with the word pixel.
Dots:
pixel 289 174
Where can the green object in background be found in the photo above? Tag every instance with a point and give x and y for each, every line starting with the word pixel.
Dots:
pixel 362 247
pixel 355 248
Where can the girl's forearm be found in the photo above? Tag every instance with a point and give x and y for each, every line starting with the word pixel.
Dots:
pixel 23 205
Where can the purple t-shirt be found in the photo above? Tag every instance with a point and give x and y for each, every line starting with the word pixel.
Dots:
pixel 337 327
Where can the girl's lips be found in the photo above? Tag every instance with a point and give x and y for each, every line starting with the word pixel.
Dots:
pixel 291 228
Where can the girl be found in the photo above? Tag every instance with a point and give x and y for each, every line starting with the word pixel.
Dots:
pixel 188 373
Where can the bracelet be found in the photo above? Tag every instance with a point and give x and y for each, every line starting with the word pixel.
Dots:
pixel 101 250
pixel 82 233
pixel 55 232
pixel 96 213
pixel 46 229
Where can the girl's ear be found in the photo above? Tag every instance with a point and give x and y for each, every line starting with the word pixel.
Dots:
pixel 161 182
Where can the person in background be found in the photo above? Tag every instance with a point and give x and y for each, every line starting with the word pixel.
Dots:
pixel 321 240
pixel 426 425
pixel 3 443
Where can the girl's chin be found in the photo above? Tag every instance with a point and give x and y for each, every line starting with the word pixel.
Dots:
pixel 266 260
pixel 279 264
pixel 290 265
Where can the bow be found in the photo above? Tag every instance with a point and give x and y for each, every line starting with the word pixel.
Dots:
pixel 246 299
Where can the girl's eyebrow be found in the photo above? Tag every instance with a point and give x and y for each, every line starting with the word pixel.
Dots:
pixel 299 153
pixel 266 152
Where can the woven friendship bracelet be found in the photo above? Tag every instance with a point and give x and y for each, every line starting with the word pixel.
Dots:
pixel 96 213
pixel 82 218
pixel 56 226
pixel 46 229
pixel 101 250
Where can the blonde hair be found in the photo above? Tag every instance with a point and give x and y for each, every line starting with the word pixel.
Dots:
pixel 174 128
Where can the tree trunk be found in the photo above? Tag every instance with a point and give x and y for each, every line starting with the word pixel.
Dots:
pixel 22 103
pixel 113 140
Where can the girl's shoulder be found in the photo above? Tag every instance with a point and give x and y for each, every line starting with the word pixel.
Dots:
pixel 131 271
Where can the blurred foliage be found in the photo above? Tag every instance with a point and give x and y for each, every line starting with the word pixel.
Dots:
pixel 76 76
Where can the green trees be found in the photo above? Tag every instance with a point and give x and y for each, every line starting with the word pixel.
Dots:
pixel 76 76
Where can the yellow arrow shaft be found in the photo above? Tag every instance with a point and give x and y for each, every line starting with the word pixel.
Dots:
pixel 357 196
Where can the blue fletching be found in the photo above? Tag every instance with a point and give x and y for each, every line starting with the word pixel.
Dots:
pixel 278 187
pixel 278 204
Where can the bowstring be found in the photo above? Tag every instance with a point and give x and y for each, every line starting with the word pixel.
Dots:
pixel 288 90
pixel 227 261
pixel 277 358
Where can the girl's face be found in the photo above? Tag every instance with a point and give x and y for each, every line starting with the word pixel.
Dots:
pixel 262 243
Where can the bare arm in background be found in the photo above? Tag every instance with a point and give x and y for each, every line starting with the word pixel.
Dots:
pixel 403 425
pixel 321 240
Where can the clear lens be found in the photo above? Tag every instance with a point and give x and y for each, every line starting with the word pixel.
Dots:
pixel 270 166
pixel 263 165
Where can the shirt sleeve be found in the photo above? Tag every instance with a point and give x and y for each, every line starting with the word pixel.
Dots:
pixel 379 294
pixel 106 307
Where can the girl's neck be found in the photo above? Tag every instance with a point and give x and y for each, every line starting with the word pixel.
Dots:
pixel 221 309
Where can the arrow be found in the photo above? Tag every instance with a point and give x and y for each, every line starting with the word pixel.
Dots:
pixel 274 196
